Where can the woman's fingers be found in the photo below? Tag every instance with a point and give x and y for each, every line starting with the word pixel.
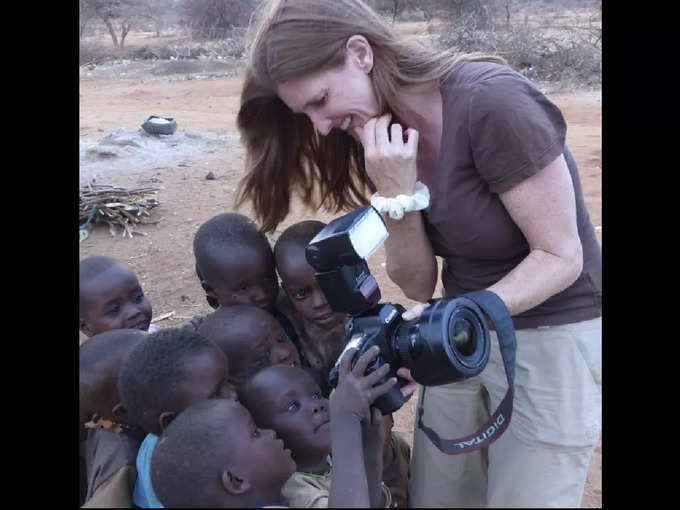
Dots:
pixel 382 140
pixel 414 312
pixel 412 136
pixel 396 135
pixel 408 389
pixel 368 135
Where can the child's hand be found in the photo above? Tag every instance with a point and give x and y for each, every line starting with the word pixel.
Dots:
pixel 196 321
pixel 373 432
pixel 355 391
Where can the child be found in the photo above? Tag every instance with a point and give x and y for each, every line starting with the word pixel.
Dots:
pixel 250 337
pixel 234 262
pixel 111 297
pixel 320 330
pixel 169 371
pixel 111 445
pixel 322 337
pixel 235 265
pixel 214 455
pixel 396 465
pixel 290 402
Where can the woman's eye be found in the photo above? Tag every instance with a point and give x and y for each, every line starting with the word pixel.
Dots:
pixel 113 311
pixel 293 406
pixel 139 297
pixel 256 432
pixel 316 395
pixel 322 100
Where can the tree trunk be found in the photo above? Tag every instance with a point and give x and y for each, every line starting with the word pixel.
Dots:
pixel 124 29
pixel 112 31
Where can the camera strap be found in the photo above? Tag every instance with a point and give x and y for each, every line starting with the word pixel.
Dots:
pixel 500 419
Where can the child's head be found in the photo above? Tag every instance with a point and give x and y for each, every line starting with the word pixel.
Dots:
pixel 235 263
pixel 167 372
pixel 297 276
pixel 289 401
pixel 213 455
pixel 251 338
pixel 111 297
pixel 100 359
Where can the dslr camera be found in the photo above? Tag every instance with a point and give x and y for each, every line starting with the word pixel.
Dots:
pixel 447 343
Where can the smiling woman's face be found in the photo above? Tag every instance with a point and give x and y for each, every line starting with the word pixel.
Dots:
pixel 337 98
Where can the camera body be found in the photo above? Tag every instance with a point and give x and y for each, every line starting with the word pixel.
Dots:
pixel 447 343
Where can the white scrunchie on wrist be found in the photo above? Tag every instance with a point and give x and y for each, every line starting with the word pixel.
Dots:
pixel 397 206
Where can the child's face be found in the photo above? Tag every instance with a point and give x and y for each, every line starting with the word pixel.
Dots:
pixel 307 298
pixel 259 454
pixel 243 276
pixel 263 343
pixel 290 402
pixel 205 376
pixel 113 300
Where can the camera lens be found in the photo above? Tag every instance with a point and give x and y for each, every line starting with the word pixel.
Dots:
pixel 464 337
pixel 447 343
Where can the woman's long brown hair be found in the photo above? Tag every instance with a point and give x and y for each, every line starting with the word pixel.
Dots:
pixel 284 153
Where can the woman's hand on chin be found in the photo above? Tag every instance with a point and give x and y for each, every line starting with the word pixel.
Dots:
pixel 390 161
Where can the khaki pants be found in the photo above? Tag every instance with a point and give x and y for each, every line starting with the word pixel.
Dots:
pixel 542 459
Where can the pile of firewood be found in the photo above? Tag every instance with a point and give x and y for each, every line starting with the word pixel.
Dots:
pixel 118 207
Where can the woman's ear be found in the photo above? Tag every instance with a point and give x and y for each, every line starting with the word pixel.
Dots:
pixel 233 484
pixel 119 413
pixel 165 418
pixel 360 50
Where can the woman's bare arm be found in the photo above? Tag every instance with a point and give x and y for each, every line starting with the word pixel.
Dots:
pixel 410 260
pixel 391 164
pixel 544 208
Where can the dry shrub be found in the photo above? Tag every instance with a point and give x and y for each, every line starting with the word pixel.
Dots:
pixel 216 19
pixel 93 52
pixel 565 53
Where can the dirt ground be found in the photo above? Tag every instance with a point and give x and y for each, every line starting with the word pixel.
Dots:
pixel 206 108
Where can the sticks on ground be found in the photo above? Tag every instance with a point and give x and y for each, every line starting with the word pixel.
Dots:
pixel 117 207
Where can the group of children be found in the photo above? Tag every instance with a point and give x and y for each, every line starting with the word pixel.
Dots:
pixel 232 408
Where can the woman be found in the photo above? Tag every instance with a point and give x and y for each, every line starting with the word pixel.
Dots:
pixel 334 102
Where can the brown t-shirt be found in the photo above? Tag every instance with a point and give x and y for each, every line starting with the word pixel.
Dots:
pixel 497 130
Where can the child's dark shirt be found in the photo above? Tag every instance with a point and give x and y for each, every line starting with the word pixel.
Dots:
pixel 110 455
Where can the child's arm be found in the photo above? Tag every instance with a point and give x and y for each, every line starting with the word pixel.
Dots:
pixel 349 406
pixel 373 435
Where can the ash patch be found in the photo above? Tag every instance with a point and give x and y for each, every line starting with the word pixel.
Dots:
pixel 124 151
